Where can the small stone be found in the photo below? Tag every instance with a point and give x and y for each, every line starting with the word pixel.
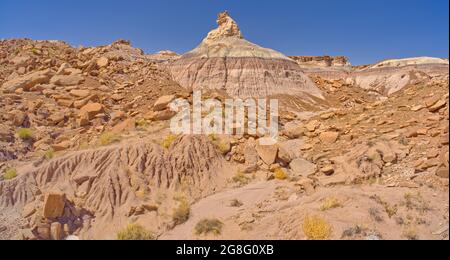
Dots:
pixel 431 101
pixel 93 109
pixel 82 119
pixel 306 147
pixel 312 125
pixel 327 170
pixel 160 115
pixel 124 126
pixel 436 107
pixel 67 80
pixel 329 137
pixel 56 231
pixel 443 172
pixel 28 210
pixel 102 62
pixel 65 102
pixel 307 185
pixel 163 102
pixel 302 167
pixel 417 108
pixel 62 146
pixel 80 93
pixel 268 153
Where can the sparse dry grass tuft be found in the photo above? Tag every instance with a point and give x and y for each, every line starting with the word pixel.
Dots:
pixel 416 202
pixel 375 215
pixel 391 210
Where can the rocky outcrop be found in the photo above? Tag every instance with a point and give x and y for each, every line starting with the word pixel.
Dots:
pixel 226 61
pixel 28 81
pixel 384 78
pixel 389 80
pixel 321 61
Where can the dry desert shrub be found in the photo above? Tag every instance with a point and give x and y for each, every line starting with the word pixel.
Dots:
pixel 135 232
pixel 142 124
pixel 10 174
pixel 416 202
pixel 209 226
pixel 235 203
pixel 376 215
pixel 240 179
pixel 108 138
pixel 410 233
pixel 167 142
pixel 391 210
pixel 25 133
pixel 316 228
pixel 280 174
pixel 330 203
pixel 49 154
pixel 182 212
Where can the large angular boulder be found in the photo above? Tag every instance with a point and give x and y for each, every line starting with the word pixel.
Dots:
pixel 53 205
pixel 92 109
pixel 67 80
pixel 28 81
pixel 268 153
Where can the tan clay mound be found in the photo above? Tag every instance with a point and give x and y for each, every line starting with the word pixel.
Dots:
pixel 410 61
pixel 109 179
pixel 226 61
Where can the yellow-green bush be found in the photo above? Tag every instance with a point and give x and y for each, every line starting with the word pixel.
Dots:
pixel 280 174
pixel 25 133
pixel 142 123
pixel 167 142
pixel 49 154
pixel 10 174
pixel 316 228
pixel 135 232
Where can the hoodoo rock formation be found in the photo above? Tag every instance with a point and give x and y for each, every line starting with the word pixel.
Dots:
pixel 226 61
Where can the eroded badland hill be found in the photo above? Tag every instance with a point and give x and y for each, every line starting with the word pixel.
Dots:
pixel 86 151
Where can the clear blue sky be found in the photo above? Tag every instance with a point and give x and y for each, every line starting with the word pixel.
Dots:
pixel 364 30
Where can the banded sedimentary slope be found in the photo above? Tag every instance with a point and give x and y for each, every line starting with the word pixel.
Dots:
pixel 226 61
